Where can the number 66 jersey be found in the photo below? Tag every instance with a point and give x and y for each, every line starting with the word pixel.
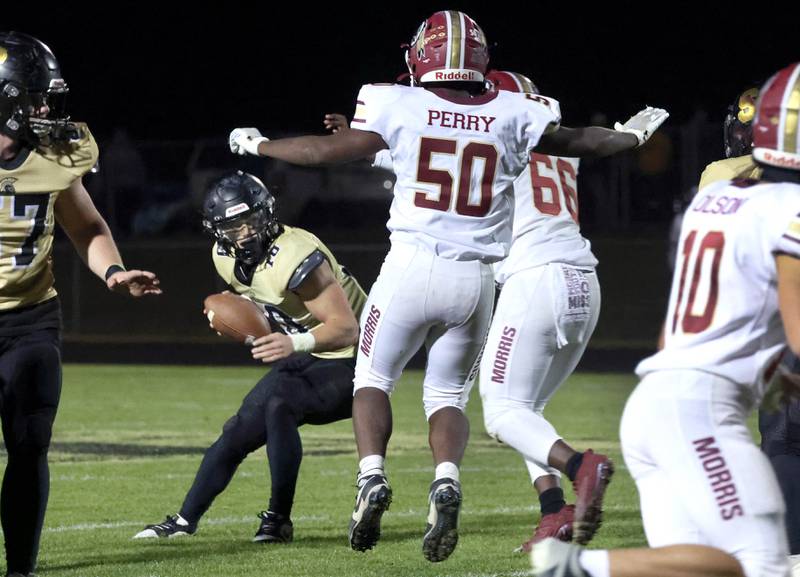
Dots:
pixel 455 160
pixel 723 313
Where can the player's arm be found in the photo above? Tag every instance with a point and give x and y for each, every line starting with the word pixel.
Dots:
pixel 788 268
pixel 596 141
pixel 342 146
pixel 325 299
pixel 91 237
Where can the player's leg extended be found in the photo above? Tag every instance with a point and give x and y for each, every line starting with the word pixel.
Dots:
pixel 462 303
pixel 30 372
pixel 393 327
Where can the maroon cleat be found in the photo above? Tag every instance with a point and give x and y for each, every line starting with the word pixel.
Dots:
pixel 590 484
pixel 555 525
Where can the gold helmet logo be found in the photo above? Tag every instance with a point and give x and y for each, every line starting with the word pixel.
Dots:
pixel 747 105
pixel 3 55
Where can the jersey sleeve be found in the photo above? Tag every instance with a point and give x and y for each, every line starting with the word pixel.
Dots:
pixel 544 117
pixel 223 263
pixel 77 156
pixel 293 250
pixel 372 109
pixel 729 169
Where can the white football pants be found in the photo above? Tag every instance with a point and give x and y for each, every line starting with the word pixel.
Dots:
pixel 543 320
pixel 422 298
pixel 701 479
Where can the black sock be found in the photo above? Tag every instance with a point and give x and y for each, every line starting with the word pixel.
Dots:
pixel 552 501
pixel 573 465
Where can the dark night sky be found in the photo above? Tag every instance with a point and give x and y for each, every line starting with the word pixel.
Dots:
pixel 184 73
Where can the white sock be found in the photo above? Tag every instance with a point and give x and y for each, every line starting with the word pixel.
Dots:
pixel 595 563
pixel 446 470
pixel 370 465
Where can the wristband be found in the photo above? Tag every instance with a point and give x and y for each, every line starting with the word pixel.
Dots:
pixel 303 342
pixel 114 269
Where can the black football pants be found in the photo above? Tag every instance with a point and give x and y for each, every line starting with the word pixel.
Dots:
pixel 30 387
pixel 780 440
pixel 299 389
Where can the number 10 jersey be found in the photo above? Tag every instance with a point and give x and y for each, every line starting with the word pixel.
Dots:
pixel 723 315
pixel 456 160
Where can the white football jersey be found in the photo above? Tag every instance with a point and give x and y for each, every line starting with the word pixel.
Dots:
pixel 455 162
pixel 546 218
pixel 723 314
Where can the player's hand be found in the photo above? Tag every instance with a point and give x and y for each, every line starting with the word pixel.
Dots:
pixel 245 141
pixel 644 123
pixel 335 122
pixel 136 283
pixel 273 347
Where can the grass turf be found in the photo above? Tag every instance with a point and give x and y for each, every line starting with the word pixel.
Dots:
pixel 128 440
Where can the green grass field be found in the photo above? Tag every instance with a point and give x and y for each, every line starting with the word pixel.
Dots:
pixel 128 441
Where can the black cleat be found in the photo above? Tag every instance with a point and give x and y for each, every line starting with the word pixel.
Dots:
pixel 274 528
pixel 172 526
pixel 373 499
pixel 441 534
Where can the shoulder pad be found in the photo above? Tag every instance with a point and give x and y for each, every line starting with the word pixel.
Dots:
pixel 305 268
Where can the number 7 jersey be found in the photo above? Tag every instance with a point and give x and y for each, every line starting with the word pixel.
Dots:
pixel 455 161
pixel 723 315
pixel 29 187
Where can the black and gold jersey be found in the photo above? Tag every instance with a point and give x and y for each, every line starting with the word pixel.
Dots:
pixel 291 257
pixel 29 187
pixel 730 169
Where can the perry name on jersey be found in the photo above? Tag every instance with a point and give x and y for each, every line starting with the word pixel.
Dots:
pixel 455 161
pixel 546 218
pixel 29 187
pixel 723 315
pixel 292 256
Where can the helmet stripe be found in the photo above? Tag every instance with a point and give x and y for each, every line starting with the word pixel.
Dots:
pixel 454 39
pixel 790 107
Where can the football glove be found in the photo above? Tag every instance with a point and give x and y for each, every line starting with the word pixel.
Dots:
pixel 245 141
pixel 644 123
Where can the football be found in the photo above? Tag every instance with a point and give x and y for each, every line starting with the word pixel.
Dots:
pixel 236 317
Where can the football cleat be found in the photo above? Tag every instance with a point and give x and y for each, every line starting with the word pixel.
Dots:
pixel 274 528
pixel 554 558
pixel 555 525
pixel 373 499
pixel 590 485
pixel 172 526
pixel 441 534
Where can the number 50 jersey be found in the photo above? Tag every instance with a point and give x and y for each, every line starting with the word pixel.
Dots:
pixel 29 187
pixel 455 161
pixel 723 315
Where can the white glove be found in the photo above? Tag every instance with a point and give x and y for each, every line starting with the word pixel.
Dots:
pixel 644 123
pixel 245 141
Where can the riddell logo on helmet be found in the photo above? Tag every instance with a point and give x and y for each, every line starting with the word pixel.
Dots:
pixel 238 209
pixel 456 75
pixel 782 161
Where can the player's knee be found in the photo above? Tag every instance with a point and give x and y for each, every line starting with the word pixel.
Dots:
pixel 232 438
pixel 36 434
pixel 497 413
pixel 281 402
pixel 369 379
pixel 436 400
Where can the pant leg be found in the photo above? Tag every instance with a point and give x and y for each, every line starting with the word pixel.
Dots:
pixel 242 434
pixel 30 379
pixel 310 390
pixel 538 335
pixel 690 429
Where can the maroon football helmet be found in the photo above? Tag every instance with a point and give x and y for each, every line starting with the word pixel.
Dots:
pixel 776 135
pixel 511 81
pixel 449 46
